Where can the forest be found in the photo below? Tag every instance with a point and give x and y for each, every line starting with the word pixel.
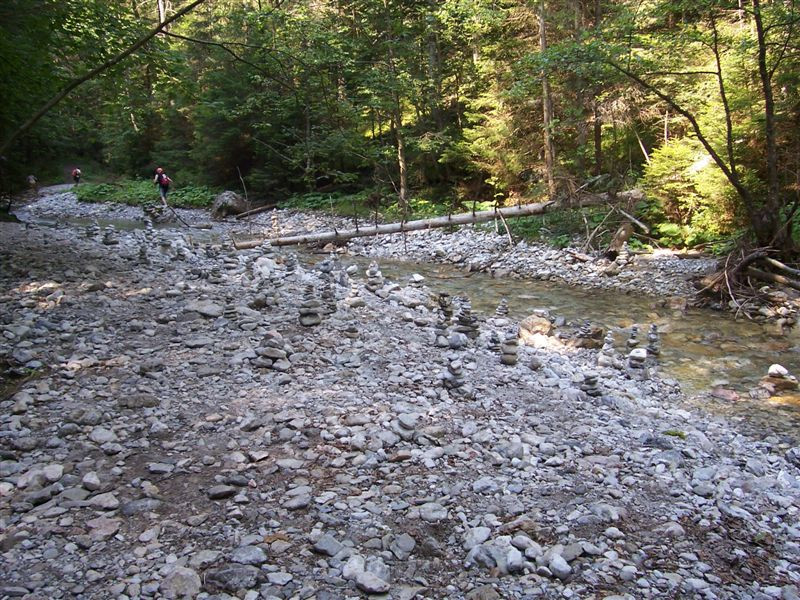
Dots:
pixel 419 107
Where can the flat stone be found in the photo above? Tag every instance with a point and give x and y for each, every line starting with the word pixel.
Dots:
pixel 140 506
pixel 328 545
pixel 249 555
pixel 181 583
pixel 280 578
pixel 103 528
pixel 198 341
pixel 107 501
pixel 218 492
pixel 371 583
pixel 432 512
pixel 233 577
pixel 207 308
pixel 160 468
pixel 101 435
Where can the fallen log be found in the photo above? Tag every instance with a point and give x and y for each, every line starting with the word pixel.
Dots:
pixel 779 265
pixel 773 278
pixel 340 236
pixel 255 211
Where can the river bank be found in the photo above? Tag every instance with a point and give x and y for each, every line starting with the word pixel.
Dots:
pixel 182 435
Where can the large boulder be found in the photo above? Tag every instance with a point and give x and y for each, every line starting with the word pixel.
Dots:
pixel 228 203
pixel 535 331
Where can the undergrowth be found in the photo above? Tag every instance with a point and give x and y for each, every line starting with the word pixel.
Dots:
pixel 143 192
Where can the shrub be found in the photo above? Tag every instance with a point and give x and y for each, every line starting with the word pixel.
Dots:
pixel 141 192
pixel 690 201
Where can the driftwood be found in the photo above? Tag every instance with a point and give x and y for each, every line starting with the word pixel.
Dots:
pixel 781 267
pixel 773 278
pixel 340 236
pixel 255 211
pixel 622 235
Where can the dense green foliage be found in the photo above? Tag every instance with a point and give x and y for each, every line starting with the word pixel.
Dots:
pixel 141 192
pixel 412 107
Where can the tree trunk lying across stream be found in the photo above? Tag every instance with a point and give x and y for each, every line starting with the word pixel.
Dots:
pixel 459 219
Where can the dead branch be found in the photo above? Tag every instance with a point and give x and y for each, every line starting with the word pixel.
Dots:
pixel 773 278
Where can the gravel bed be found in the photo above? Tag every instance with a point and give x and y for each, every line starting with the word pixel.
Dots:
pixel 173 431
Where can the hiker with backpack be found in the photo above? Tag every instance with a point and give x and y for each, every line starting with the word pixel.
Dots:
pixel 162 180
pixel 76 175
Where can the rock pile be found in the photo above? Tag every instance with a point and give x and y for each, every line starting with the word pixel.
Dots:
pixel 273 352
pixel 310 309
pixel 509 350
pixel 374 278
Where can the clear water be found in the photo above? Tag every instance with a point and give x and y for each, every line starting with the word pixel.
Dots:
pixel 700 348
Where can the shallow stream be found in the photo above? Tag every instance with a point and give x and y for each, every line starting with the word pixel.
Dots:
pixel 701 349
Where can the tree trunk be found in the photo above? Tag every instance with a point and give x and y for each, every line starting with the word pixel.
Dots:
pixel 448 221
pixel 598 125
pixel 768 221
pixel 547 111
pixel 397 122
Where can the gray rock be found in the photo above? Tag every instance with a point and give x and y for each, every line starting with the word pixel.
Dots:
pixel 233 577
pixel 432 512
pixel 219 492
pixel 249 555
pixel 371 583
pixel 559 567
pixel 328 545
pixel 181 583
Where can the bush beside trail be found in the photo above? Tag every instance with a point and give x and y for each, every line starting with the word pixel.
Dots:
pixel 143 192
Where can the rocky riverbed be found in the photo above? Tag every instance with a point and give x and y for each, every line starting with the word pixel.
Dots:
pixel 171 430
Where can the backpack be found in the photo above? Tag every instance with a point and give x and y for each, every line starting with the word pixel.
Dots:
pixel 165 180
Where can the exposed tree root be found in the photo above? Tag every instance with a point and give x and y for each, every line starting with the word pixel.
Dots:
pixel 736 283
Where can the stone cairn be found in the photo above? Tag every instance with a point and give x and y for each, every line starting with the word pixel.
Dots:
pixel 110 236
pixel 589 385
pixel 267 249
pixel 501 312
pixel 653 341
pixel 466 322
pixel 291 263
pixel 328 297
pixel 637 359
pixel 229 313
pixel 624 255
pixel 342 279
pixel 214 275
pixel 509 350
pixel 453 379
pixel 143 257
pixel 633 339
pixel 276 230
pixel 267 292
pixel 446 307
pixel 416 280
pixel 351 331
pixel 273 352
pixel 374 278
pixel 354 299
pixel 310 311
pixel 440 333
pixel 326 268
pixel 92 230
pixel 494 343
pixel 607 357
